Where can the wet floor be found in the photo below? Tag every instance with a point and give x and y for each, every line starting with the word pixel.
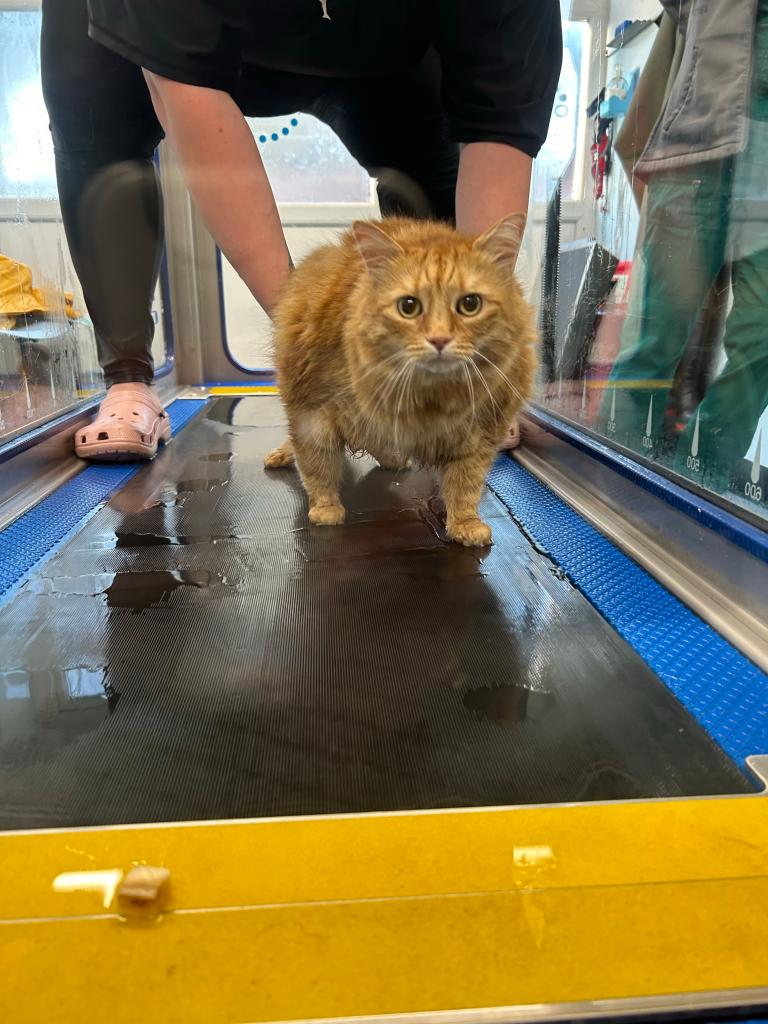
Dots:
pixel 199 651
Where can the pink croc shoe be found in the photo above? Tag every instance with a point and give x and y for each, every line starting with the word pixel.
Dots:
pixel 129 425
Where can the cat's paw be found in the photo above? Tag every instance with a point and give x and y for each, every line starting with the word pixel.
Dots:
pixel 472 533
pixel 280 457
pixel 327 515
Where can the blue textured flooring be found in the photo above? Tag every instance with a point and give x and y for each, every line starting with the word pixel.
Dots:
pixel 44 528
pixel 724 691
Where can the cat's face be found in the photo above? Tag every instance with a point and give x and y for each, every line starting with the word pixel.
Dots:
pixel 438 300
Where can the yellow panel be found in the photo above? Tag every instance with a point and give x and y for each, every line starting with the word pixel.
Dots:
pixel 347 959
pixel 284 861
pixel 385 914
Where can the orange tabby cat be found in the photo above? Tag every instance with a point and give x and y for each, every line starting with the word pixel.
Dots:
pixel 407 340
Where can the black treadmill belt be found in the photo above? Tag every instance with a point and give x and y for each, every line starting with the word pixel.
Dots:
pixel 198 651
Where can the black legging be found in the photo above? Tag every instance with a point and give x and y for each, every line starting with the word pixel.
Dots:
pixel 105 134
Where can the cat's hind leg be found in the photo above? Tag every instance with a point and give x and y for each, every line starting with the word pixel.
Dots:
pixel 280 458
pixel 463 484
pixel 319 450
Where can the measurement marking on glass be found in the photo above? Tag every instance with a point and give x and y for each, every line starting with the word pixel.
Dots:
pixel 53 386
pixel 752 488
pixel 584 398
pixel 26 392
pixel 612 419
pixel 560 386
pixel 647 439
pixel 693 461
pixel 757 461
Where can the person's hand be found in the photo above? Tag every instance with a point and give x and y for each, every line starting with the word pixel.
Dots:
pixel 512 440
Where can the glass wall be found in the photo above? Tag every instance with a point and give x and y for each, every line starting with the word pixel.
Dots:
pixel 48 361
pixel 653 290
pixel 321 189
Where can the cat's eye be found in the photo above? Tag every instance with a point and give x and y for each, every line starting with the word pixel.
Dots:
pixel 469 305
pixel 409 306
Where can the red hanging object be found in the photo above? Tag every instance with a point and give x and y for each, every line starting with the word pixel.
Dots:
pixel 601 155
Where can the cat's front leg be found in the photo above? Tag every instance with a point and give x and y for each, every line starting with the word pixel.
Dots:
pixel 463 484
pixel 319 451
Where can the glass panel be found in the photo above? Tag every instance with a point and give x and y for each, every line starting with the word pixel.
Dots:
pixel 654 290
pixel 48 358
pixel 249 330
pixel 563 153
pixel 307 163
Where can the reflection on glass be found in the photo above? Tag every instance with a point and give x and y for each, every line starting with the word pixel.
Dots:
pixel 559 157
pixel 655 323
pixel 48 360
pixel 307 162
pixel 47 353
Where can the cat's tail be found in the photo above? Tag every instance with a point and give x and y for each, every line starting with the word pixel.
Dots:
pixel 281 457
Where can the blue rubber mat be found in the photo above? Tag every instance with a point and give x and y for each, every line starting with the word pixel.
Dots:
pixel 725 691
pixel 41 531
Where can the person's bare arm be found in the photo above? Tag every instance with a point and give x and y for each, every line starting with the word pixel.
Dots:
pixel 494 181
pixel 225 175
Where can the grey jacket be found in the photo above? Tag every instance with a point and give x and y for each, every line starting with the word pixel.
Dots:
pixel 705 116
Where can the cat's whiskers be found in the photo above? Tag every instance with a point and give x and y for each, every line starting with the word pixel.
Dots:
pixel 471 389
pixel 404 389
pixel 380 364
pixel 484 382
pixel 387 391
pixel 370 411
pixel 515 391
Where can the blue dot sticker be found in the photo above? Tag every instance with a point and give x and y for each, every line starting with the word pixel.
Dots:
pixel 284 131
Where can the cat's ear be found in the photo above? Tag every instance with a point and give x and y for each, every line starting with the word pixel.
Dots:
pixel 502 241
pixel 374 245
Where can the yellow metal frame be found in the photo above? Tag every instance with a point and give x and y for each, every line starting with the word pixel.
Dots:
pixel 377 915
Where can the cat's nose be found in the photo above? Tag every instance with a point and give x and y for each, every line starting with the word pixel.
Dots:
pixel 439 342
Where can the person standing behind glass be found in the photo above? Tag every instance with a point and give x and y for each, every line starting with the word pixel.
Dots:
pixel 706 165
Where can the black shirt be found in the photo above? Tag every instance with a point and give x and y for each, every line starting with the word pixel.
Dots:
pixel 500 58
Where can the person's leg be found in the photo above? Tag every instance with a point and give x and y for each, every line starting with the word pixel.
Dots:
pixel 105 133
pixel 683 250
pixel 737 398
pixel 394 128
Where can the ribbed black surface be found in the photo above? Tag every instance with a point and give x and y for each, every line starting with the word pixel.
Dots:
pixel 198 652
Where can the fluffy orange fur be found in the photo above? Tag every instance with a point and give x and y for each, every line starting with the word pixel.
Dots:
pixel 409 341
